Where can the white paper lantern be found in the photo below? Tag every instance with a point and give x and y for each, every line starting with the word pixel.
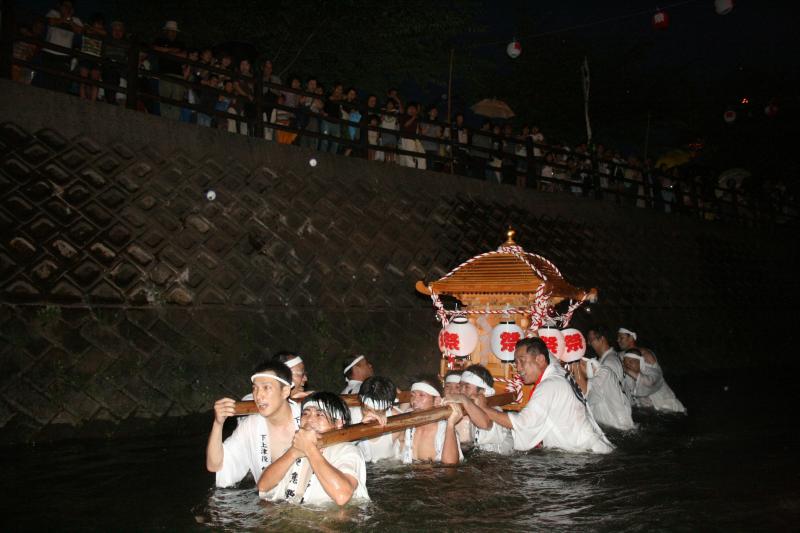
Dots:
pixel 574 345
pixel 723 7
pixel 504 339
pixel 554 340
pixel 460 337
pixel 771 110
pixel 661 20
pixel 514 49
pixel 729 116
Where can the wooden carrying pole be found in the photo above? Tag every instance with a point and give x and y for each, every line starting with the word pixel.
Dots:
pixel 400 422
pixel 249 407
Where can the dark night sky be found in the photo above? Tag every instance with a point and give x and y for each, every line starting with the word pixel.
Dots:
pixel 685 76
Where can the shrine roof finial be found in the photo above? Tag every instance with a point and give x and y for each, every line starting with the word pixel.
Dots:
pixel 510 237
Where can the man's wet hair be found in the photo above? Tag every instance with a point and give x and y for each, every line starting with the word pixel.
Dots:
pixel 533 346
pixel 332 405
pixel 276 367
pixel 481 372
pixel 433 381
pixel 601 330
pixel 378 389
pixel 347 363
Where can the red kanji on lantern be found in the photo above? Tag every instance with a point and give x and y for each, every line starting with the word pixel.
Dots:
pixel 551 343
pixel 508 341
pixel 573 342
pixel 450 340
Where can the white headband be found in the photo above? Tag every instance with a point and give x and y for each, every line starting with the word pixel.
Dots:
pixel 351 365
pixel 592 366
pixel 424 387
pixel 293 362
pixel 271 376
pixel 375 405
pixel 474 379
pixel 628 332
pixel 633 356
pixel 315 404
pixel 453 378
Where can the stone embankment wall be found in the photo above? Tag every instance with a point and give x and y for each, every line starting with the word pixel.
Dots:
pixel 127 297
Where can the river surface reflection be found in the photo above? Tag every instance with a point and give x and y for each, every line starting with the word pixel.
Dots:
pixel 731 463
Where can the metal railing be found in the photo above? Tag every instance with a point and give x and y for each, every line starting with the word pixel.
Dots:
pixel 494 157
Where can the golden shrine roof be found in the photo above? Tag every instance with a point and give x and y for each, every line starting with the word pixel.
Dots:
pixel 505 271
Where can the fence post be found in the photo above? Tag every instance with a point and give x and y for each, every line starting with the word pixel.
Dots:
pixel 132 90
pixel 258 72
pixel 7 39
pixel 598 193
pixel 532 177
pixel 364 132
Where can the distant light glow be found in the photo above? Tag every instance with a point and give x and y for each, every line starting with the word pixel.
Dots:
pixel 745 100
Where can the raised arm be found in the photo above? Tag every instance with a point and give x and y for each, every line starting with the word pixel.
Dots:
pixel 215 454
pixel 336 484
pixel 450 449
pixel 475 413
pixel 274 473
pixel 498 417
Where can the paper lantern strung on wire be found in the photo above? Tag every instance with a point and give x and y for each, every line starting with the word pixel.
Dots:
pixel 723 7
pixel 514 49
pixel 459 338
pixel 661 20
pixel 729 116
pixel 574 345
pixel 771 110
pixel 554 340
pixel 504 339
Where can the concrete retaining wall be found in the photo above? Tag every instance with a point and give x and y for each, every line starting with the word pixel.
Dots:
pixel 127 296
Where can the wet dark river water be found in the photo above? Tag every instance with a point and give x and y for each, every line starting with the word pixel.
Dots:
pixel 732 463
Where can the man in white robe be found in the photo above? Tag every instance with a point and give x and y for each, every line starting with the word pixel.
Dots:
pixel 556 415
pixel 645 383
pixel 377 395
pixel 477 385
pixel 259 438
pixel 464 428
pixel 644 379
pixel 356 369
pixel 605 396
pixel 306 474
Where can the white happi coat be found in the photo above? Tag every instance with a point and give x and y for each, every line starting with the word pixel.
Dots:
pixel 352 387
pixel 379 448
pixel 345 457
pixel 555 417
pixel 248 449
pixel 497 439
pixel 441 429
pixel 650 390
pixel 605 395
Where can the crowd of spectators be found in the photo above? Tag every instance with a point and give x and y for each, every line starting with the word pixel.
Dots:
pixel 220 91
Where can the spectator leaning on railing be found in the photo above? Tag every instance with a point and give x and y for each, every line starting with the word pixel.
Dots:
pixel 62 27
pixel 168 68
pixel 496 152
